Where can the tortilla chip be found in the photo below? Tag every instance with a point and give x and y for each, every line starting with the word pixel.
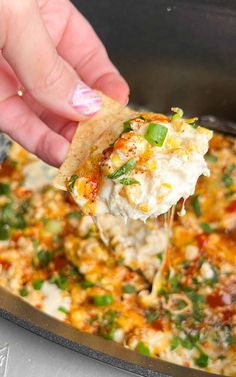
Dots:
pixel 95 134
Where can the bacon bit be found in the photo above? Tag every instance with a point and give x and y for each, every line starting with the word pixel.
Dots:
pixel 202 240
pixel 231 207
pixel 158 325
pixel 5 265
pixel 59 262
pixel 218 299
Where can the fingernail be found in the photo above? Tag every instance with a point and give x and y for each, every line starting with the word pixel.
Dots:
pixel 85 100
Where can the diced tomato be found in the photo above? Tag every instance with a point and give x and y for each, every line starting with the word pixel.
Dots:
pixel 60 262
pixel 231 207
pixel 5 265
pixel 218 299
pixel 158 325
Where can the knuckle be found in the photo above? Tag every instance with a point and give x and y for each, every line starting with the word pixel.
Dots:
pixel 50 78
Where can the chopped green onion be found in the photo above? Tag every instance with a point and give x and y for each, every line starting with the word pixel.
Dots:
pixel 4 232
pixel 37 284
pixel 201 361
pixel 231 340
pixel 160 256
pixel 127 126
pixel 129 181
pixel 211 157
pixel 53 226
pixel 71 182
pixel 24 292
pixel 174 343
pixel 44 257
pixel 120 261
pixel 152 315
pixel 228 181
pixel 174 284
pixel 61 281
pixel 63 310
pixel 206 228
pixel 5 189
pixel 74 215
pixel 196 205
pixel 128 288
pixel 124 169
pixel 143 349
pixel 187 342
pixel 103 300
pixel 156 134
pixel 86 284
pixel 178 113
pixel 194 125
pixel 221 357
pixel 227 178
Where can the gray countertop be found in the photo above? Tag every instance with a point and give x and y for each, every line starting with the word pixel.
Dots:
pixel 29 355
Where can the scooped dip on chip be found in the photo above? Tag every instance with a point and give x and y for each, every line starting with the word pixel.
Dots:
pixel 154 162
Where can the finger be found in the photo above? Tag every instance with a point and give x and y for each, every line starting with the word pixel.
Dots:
pixel 57 123
pixel 49 79
pixel 22 125
pixel 89 57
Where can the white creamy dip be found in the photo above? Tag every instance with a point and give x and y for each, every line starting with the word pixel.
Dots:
pixel 165 174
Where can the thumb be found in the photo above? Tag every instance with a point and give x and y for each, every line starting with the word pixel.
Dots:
pixel 49 79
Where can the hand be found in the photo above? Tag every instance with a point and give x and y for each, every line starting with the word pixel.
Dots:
pixel 49 49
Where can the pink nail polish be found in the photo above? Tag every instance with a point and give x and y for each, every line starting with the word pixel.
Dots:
pixel 86 101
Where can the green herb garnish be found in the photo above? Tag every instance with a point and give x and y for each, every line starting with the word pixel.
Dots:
pixel 156 134
pixel 53 226
pixel 103 300
pixel 174 284
pixel 152 315
pixel 4 232
pixel 143 349
pixel 129 181
pixel 24 292
pixel 37 284
pixel 61 281
pixel 211 157
pixel 178 113
pixel 74 215
pixel 227 178
pixel 127 126
pixel 71 182
pixel 63 309
pixel 129 288
pixel 5 189
pixel 196 205
pixel 86 284
pixel 44 257
pixel 124 169
pixel 206 228
pixel 201 361
pixel 174 343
